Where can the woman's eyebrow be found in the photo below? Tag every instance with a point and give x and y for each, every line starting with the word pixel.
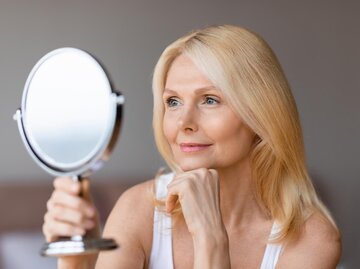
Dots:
pixel 169 91
pixel 198 91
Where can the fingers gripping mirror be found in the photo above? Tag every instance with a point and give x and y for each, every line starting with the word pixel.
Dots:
pixel 69 121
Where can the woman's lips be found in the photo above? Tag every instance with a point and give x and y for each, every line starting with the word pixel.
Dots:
pixel 193 147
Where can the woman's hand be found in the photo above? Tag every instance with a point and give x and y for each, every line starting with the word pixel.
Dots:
pixel 68 214
pixel 198 193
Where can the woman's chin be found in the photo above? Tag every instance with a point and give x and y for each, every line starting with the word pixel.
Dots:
pixel 189 166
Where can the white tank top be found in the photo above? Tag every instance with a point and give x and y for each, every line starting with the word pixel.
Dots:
pixel 161 256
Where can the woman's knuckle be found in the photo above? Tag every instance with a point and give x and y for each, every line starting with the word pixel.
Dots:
pixel 78 204
pixel 46 217
pixel 57 211
pixel 56 196
pixel 188 183
pixel 78 218
pixel 58 182
pixel 48 204
pixel 203 171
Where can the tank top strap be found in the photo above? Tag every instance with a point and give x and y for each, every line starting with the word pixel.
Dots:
pixel 272 251
pixel 161 252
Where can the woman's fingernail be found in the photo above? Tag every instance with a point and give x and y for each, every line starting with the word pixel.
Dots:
pixel 89 224
pixel 90 212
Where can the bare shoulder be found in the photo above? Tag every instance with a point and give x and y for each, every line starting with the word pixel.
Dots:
pixel 139 197
pixel 318 246
pixel 130 223
pixel 133 209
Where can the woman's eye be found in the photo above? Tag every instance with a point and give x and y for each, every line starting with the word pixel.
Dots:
pixel 171 102
pixel 211 101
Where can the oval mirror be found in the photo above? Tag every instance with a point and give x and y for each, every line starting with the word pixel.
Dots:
pixel 70 114
pixel 70 117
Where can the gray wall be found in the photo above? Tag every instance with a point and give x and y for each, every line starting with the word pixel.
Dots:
pixel 317 43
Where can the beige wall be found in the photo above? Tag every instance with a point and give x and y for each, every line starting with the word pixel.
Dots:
pixel 317 43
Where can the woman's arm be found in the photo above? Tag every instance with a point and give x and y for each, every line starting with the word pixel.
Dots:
pixel 198 193
pixel 130 224
pixel 211 250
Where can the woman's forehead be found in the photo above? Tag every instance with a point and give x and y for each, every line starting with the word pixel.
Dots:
pixel 184 73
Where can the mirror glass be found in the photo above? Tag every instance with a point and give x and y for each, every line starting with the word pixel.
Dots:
pixel 68 110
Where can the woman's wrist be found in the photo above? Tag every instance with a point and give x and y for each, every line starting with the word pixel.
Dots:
pixel 211 250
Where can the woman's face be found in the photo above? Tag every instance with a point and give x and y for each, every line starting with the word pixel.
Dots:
pixel 200 126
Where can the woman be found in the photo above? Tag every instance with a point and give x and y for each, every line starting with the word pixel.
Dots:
pixel 239 195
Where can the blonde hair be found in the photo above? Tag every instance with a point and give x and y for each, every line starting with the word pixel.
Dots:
pixel 243 66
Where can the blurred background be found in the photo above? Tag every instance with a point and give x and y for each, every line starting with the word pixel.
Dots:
pixel 317 43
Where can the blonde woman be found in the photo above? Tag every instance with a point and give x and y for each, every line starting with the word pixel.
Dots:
pixel 239 195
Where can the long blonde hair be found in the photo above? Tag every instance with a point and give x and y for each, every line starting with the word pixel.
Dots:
pixel 243 66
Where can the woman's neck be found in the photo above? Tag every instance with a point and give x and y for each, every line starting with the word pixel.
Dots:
pixel 238 203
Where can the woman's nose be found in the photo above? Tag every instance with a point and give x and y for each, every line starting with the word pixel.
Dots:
pixel 188 120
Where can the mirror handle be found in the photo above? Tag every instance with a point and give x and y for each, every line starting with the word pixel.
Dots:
pixel 84 193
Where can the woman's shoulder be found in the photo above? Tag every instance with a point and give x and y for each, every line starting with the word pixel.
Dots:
pixel 144 194
pixel 137 200
pixel 318 245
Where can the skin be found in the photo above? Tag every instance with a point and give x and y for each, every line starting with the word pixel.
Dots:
pixel 221 225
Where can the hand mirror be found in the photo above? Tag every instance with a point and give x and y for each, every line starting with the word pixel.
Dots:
pixel 69 121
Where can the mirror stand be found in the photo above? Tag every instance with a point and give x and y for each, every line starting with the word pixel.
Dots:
pixel 77 245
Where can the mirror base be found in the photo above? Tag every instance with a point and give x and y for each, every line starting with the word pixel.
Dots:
pixel 75 247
